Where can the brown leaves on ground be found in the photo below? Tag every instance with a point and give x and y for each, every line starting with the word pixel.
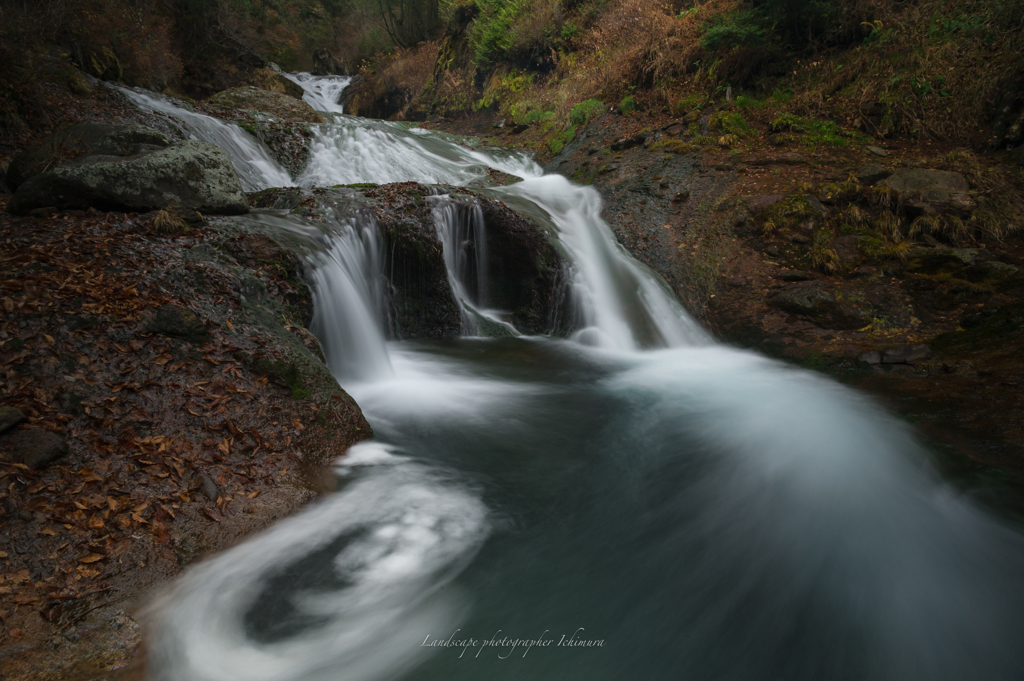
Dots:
pixel 147 417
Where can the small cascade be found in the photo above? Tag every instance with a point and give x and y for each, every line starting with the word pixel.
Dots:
pixel 348 299
pixel 360 150
pixel 624 305
pixel 323 93
pixel 256 168
pixel 461 230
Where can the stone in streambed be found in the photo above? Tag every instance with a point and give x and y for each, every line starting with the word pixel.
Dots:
pixel 10 417
pixel 907 354
pixel 35 447
pixel 189 175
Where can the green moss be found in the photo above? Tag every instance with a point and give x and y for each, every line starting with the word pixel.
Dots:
pixel 627 105
pixel 586 111
pixel 817 132
pixel 282 374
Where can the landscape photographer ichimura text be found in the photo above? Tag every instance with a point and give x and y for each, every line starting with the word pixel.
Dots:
pixel 505 645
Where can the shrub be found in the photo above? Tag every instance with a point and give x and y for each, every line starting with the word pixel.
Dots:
pixel 627 105
pixel 584 112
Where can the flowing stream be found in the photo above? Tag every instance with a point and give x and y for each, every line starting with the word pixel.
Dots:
pixel 636 502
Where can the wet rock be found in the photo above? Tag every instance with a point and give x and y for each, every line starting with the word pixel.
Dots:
pixel 847 247
pixel 10 417
pixel 736 282
pixel 797 239
pixel 177 322
pixel 871 358
pixel 795 275
pixel 629 142
pixel 877 151
pixel 189 175
pixel 681 196
pixel 820 307
pixel 208 487
pixel 931 192
pixel 907 354
pixel 499 124
pixel 522 127
pixel 674 129
pixel 283 106
pixel 872 174
pixel 35 447
pixel 78 140
pixel 282 374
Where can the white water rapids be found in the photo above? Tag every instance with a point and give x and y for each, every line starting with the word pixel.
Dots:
pixel 705 512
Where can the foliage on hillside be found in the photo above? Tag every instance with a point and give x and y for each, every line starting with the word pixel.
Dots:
pixel 935 68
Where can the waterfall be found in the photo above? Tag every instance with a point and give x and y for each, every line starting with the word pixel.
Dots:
pixel 709 513
pixel 348 300
pixel 323 93
pixel 256 168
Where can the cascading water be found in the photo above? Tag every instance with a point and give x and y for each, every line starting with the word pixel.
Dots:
pixel 256 168
pixel 323 93
pixel 688 511
pixel 348 298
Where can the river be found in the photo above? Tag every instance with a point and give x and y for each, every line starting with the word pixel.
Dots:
pixel 635 502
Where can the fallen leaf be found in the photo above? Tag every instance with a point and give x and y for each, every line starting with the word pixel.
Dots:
pixel 96 523
pixel 112 503
pixel 25 600
pixel 90 558
pixel 49 532
pixel 3 554
pixel 214 516
pixel 162 359
pixel 88 475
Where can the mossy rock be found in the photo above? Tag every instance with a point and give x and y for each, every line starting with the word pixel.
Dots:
pixel 276 104
pixel 282 374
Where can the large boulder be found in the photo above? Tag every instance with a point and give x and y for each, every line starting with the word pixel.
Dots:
pixel 931 192
pixel 274 103
pixel 78 140
pixel 189 175
pixel 35 447
pixel 523 271
pixel 273 81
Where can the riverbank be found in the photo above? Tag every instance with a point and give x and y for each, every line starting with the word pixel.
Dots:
pixel 179 403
